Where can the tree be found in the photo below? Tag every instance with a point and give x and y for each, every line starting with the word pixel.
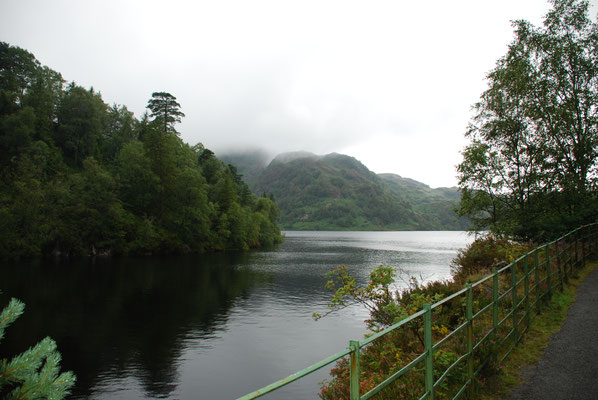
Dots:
pixel 87 216
pixel 35 373
pixel 16 133
pixel 165 110
pixel 531 169
pixel 81 119
pixel 44 95
pixel 121 128
pixel 138 183
pixel 17 73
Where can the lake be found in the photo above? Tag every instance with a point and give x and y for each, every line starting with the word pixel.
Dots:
pixel 210 326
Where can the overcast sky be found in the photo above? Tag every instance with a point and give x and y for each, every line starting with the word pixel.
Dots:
pixel 388 82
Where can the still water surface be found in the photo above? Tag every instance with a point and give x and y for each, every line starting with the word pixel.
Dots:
pixel 210 326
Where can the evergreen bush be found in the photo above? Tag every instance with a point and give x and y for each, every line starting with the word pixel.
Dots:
pixel 35 373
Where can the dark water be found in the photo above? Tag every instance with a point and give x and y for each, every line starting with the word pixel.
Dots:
pixel 206 327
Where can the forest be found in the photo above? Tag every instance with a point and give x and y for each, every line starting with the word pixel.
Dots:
pixel 81 177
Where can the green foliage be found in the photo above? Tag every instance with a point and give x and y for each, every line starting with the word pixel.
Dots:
pixel 337 192
pixel 435 207
pixel 484 253
pixel 477 326
pixel 35 373
pixel 387 355
pixel 121 128
pixel 92 219
pixel 530 168
pixel 81 117
pixel 17 73
pixel 375 297
pixel 138 183
pixel 393 351
pixel 165 110
pixel 82 178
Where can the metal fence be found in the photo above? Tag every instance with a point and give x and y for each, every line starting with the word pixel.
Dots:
pixel 497 310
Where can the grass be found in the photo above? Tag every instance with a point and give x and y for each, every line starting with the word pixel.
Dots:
pixel 533 345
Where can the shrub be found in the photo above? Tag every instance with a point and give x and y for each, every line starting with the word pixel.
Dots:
pixel 398 348
pixel 482 255
pixel 35 373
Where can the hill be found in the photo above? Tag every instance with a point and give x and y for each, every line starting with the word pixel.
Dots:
pixel 79 177
pixel 337 192
pixel 436 205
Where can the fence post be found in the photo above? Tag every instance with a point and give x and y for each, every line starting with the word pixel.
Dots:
pixel 354 345
pixel 514 299
pixel 573 256
pixel 583 247
pixel 588 238
pixel 537 273
pixel 429 374
pixel 577 234
pixel 526 288
pixel 495 310
pixel 469 316
pixel 548 272
pixel 559 265
pixel 495 300
pixel 592 236
pixel 567 259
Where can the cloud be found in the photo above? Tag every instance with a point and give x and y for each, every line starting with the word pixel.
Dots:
pixel 320 76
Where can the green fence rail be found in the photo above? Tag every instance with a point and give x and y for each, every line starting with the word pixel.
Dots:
pixel 501 306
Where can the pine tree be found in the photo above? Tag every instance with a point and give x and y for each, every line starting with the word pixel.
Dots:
pixel 35 373
pixel 165 110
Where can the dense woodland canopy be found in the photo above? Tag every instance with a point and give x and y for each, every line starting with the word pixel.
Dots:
pixel 531 168
pixel 80 177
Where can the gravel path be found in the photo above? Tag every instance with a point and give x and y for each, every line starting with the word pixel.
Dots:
pixel 569 369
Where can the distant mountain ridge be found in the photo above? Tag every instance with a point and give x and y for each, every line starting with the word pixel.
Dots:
pixel 337 192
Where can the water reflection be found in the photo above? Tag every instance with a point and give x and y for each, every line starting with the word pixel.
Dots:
pixel 215 326
pixel 125 317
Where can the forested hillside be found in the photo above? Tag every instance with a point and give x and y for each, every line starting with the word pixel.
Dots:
pixel 436 206
pixel 81 177
pixel 338 192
